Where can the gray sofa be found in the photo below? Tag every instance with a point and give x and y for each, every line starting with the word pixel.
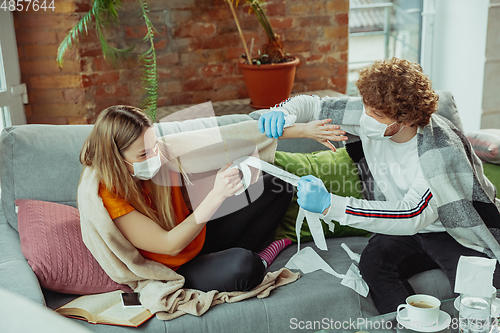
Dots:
pixel 41 162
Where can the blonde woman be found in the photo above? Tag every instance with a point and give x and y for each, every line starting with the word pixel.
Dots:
pixel 159 221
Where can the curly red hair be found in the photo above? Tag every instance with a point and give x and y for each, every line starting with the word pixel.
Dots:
pixel 399 89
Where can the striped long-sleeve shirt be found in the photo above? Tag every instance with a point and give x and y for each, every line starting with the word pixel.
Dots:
pixel 408 207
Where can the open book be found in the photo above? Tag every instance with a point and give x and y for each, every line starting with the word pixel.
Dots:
pixel 105 308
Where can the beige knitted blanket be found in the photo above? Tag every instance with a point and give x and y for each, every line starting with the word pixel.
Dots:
pixel 208 149
pixel 161 288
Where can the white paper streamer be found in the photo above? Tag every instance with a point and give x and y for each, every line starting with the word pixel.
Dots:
pixel 354 281
pixel 307 260
pixel 354 256
pixel 313 219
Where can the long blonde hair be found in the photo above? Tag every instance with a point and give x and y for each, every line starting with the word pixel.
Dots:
pixel 115 129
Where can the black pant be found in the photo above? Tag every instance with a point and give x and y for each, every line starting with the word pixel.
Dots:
pixel 388 261
pixel 228 260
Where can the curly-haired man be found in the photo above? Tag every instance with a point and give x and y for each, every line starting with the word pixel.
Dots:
pixel 430 202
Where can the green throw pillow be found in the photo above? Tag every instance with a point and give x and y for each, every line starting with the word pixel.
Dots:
pixel 492 171
pixel 340 176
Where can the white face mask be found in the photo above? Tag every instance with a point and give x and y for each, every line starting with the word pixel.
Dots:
pixel 147 169
pixel 373 129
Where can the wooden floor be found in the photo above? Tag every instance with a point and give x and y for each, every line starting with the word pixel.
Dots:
pixel 238 106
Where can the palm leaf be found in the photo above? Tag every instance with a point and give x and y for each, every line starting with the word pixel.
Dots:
pixel 79 30
pixel 103 14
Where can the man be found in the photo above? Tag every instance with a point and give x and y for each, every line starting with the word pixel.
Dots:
pixel 431 203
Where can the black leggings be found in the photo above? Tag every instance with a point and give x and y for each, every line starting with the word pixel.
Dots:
pixel 228 260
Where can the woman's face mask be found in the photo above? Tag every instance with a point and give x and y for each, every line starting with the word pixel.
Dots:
pixel 147 169
pixel 373 129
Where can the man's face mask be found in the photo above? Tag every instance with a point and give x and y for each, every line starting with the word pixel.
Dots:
pixel 373 129
pixel 149 168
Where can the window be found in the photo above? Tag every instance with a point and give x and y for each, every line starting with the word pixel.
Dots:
pixel 5 120
pixel 3 85
pixel 12 92
pixel 381 30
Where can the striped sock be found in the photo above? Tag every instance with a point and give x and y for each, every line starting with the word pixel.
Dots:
pixel 271 252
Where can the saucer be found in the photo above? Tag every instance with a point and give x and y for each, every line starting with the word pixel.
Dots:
pixel 444 321
pixel 495 306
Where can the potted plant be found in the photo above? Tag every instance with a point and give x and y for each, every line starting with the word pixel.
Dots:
pixel 269 77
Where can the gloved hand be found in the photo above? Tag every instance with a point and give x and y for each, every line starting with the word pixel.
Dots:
pixel 312 194
pixel 272 124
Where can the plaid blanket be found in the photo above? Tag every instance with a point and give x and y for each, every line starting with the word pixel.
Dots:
pixel 466 199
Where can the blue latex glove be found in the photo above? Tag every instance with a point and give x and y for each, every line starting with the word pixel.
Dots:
pixel 272 124
pixel 312 194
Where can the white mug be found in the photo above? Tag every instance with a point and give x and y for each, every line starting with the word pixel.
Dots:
pixel 421 310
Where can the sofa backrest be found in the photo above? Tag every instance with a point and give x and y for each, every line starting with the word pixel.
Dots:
pixel 41 162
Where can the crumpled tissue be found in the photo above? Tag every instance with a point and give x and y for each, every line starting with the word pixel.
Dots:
pixel 306 260
pixel 475 276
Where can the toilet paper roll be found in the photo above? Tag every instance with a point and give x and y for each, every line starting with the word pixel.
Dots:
pixel 313 219
pixel 247 176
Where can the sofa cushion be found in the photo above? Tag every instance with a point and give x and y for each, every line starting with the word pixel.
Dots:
pixel 340 176
pixel 51 240
pixel 492 172
pixel 486 144
pixel 34 158
pixel 15 308
pixel 448 108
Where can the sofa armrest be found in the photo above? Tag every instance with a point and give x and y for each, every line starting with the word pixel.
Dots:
pixel 15 310
pixel 15 273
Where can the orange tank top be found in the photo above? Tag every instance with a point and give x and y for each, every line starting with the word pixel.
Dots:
pixel 117 207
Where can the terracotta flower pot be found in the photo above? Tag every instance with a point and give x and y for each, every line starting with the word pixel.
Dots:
pixel 270 84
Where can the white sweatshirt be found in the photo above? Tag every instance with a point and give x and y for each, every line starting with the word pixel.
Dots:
pixel 409 207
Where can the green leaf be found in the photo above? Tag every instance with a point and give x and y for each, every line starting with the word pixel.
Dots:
pixel 102 14
pixel 73 36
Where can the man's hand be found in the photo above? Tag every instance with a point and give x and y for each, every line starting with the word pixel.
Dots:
pixel 272 124
pixel 312 194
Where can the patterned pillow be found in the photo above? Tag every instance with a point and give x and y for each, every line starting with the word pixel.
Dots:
pixel 52 243
pixel 486 144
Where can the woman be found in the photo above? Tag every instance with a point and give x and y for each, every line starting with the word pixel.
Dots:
pixel 158 220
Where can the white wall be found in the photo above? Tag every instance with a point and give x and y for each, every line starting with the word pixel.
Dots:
pixel 491 85
pixel 458 55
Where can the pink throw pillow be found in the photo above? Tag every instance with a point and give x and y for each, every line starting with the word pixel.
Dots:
pixel 486 144
pixel 51 241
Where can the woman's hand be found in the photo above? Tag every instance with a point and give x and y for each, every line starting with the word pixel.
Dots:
pixel 321 132
pixel 227 182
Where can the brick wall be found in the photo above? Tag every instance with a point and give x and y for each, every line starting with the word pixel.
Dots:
pixel 197 51
pixel 55 95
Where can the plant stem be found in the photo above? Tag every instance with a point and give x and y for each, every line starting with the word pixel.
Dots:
pixel 267 24
pixel 150 76
pixel 249 60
